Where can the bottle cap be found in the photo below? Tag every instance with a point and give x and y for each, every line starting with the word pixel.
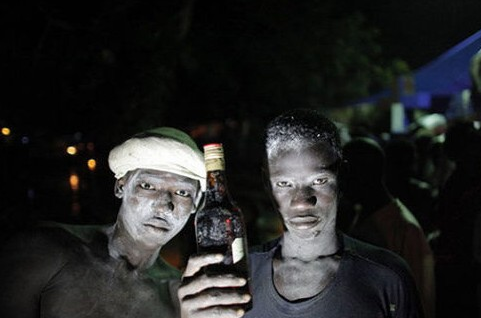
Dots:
pixel 213 151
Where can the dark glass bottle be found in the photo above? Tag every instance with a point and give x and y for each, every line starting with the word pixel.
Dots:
pixel 219 225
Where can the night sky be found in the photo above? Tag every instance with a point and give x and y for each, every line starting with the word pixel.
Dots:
pixel 418 31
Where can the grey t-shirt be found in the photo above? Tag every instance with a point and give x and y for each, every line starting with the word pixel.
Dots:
pixel 371 282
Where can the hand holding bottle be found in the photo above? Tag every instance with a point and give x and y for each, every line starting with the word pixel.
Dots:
pixel 216 280
pixel 211 296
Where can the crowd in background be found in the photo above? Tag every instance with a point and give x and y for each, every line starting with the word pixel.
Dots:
pixel 437 178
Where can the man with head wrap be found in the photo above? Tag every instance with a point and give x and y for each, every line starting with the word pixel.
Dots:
pixel 59 270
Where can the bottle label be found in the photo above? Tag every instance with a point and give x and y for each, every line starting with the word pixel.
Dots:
pixel 237 249
pixel 215 164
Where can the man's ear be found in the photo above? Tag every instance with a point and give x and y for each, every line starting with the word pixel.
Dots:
pixel 119 188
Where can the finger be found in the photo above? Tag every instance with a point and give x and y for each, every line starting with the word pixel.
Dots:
pixel 218 312
pixel 204 282
pixel 216 297
pixel 196 262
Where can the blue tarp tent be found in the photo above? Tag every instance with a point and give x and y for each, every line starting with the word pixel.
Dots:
pixel 447 75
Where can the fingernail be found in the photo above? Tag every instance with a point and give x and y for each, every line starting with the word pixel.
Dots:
pixel 240 312
pixel 246 297
pixel 242 281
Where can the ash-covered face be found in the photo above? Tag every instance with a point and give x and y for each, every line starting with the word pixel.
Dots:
pixel 155 205
pixel 304 188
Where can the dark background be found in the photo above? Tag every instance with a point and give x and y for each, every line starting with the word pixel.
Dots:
pixel 107 67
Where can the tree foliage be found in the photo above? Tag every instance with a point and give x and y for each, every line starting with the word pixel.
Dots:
pixel 123 65
pixel 259 57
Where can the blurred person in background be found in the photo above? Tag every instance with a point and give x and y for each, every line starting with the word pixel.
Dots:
pixel 377 217
pixel 459 206
pixel 418 195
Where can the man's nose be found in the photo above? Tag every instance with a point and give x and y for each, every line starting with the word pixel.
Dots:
pixel 304 198
pixel 164 202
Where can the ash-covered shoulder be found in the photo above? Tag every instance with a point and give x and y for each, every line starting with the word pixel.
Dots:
pixel 36 254
pixel 50 238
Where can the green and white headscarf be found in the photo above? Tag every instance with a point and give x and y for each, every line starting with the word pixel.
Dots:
pixel 164 149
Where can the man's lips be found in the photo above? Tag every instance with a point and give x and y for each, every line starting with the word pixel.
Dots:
pixel 304 221
pixel 158 224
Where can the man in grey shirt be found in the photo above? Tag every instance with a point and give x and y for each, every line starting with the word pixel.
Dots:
pixel 312 270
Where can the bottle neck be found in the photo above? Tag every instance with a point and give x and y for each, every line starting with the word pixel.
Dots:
pixel 217 190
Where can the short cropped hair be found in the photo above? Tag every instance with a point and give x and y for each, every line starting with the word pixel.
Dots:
pixel 298 128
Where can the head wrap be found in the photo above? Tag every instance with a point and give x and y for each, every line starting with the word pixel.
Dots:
pixel 165 149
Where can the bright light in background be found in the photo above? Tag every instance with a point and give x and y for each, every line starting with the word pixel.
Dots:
pixel 398 116
pixel 6 131
pixel 74 182
pixel 92 164
pixel 72 150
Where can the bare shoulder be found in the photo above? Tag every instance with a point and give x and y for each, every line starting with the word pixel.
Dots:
pixel 36 254
pixel 44 249
pixel 29 259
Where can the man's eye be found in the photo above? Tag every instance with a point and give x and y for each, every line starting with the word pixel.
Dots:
pixel 182 193
pixel 283 184
pixel 146 186
pixel 320 181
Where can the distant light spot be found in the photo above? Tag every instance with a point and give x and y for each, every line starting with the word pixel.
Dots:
pixel 6 131
pixel 72 150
